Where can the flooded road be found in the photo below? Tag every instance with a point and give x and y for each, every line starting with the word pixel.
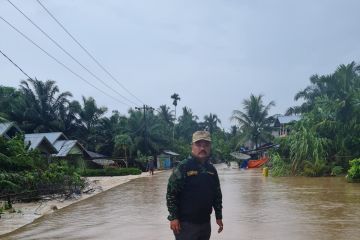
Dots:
pixel 255 207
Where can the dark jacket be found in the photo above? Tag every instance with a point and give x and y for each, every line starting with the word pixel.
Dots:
pixel 193 190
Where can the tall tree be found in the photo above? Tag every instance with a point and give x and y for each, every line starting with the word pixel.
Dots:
pixel 175 98
pixel 90 115
pixel 150 139
pixel 69 117
pixel 9 98
pixel 211 122
pixel 166 114
pixel 328 133
pixel 340 85
pixel 90 112
pixel 41 105
pixel 187 124
pixel 254 121
pixel 107 130
pixel 123 142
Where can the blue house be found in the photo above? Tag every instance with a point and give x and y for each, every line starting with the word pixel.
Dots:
pixel 166 159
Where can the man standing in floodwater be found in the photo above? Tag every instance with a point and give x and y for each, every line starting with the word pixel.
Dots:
pixel 151 166
pixel 193 191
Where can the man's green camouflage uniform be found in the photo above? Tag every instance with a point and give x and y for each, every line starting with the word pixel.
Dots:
pixel 193 190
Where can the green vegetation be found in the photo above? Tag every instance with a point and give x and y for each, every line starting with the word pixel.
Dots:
pixel 25 173
pixel 354 171
pixel 279 166
pixel 328 133
pixel 58 177
pixel 254 122
pixel 39 106
pixel 110 172
pixel 320 144
pixel 337 170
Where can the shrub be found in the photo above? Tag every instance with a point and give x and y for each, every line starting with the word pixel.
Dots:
pixel 110 172
pixel 337 170
pixel 58 178
pixel 354 171
pixel 279 166
pixel 314 169
pixel 14 155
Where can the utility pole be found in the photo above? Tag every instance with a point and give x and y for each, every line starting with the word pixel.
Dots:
pixel 145 108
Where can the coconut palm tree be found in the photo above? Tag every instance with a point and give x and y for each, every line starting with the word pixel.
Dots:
pixel 9 98
pixel 254 121
pixel 211 122
pixel 166 114
pixel 175 98
pixel 337 86
pixel 149 138
pixel 69 118
pixel 90 116
pixel 106 131
pixel 187 124
pixel 123 142
pixel 90 113
pixel 42 101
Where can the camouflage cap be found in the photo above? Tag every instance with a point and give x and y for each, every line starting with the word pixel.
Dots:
pixel 201 135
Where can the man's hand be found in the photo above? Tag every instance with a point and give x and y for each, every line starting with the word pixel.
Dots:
pixel 221 225
pixel 175 226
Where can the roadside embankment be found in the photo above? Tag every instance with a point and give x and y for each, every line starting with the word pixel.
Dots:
pixel 25 213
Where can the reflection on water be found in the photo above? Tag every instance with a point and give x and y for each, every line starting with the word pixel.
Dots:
pixel 255 207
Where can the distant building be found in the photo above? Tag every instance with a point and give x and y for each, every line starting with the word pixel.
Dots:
pixel 282 123
pixel 98 160
pixel 51 136
pixel 40 143
pixel 70 150
pixel 55 145
pixel 9 130
pixel 166 159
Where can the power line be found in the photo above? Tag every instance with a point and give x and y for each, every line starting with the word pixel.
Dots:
pixel 67 53
pixel 87 52
pixel 59 62
pixel 15 64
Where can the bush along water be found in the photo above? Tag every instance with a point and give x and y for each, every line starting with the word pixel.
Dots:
pixel 59 178
pixel 354 171
pixel 279 167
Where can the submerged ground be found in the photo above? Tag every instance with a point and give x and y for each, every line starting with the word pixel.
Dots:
pixel 255 207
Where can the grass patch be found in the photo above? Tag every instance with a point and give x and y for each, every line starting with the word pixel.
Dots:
pixel 110 172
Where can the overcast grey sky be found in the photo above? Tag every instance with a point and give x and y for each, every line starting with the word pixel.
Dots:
pixel 213 53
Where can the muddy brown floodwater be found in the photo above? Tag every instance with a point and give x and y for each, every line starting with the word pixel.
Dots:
pixel 255 207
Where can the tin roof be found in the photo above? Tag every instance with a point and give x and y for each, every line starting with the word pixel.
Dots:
pixel 103 162
pixel 94 155
pixel 64 147
pixel 171 153
pixel 5 127
pixel 286 119
pixel 36 141
pixel 52 136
